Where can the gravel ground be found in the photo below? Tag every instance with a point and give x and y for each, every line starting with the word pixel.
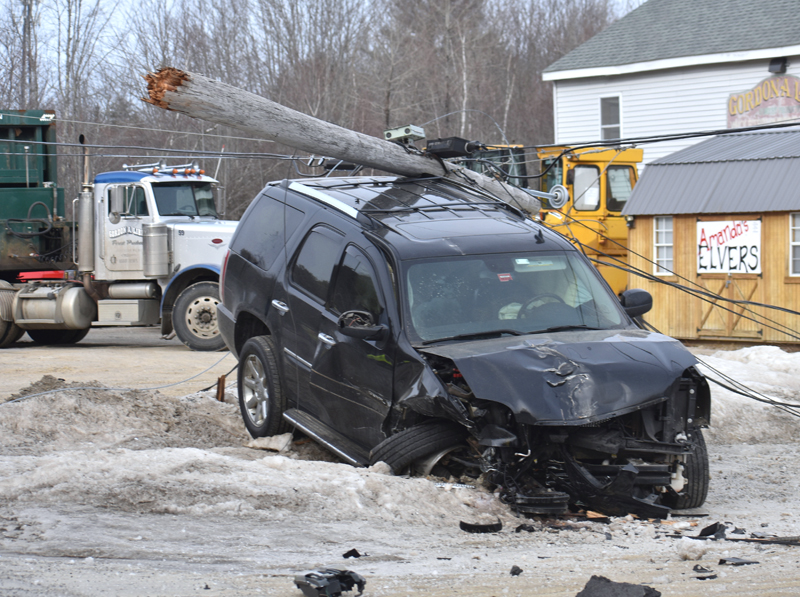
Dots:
pixel 157 493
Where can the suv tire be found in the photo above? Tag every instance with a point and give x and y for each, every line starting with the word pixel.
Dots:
pixel 261 398
pixel 194 317
pixel 696 473
pixel 403 448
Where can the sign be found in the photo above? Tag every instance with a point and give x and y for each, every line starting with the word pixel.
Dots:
pixel 729 247
pixel 773 99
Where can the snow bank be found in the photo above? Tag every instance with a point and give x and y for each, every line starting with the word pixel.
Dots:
pixel 766 369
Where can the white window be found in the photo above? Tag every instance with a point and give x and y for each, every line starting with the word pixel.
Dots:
pixel 663 245
pixel 610 127
pixel 794 245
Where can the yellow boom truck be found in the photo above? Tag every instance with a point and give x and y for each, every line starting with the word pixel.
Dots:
pixel 599 181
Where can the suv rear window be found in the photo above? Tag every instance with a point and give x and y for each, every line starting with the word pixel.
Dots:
pixel 260 236
pixel 314 264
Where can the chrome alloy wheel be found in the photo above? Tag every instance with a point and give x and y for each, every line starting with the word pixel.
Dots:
pixel 255 392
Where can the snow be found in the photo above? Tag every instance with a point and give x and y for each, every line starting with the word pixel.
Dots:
pixel 151 494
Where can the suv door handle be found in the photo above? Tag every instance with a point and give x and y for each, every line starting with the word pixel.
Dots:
pixel 282 308
pixel 326 339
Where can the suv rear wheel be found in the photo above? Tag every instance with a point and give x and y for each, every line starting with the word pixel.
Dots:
pixel 261 398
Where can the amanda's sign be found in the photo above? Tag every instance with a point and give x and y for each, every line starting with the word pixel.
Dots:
pixel 731 246
pixel 774 99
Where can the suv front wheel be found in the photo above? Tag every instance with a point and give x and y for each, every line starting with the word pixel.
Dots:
pixel 261 397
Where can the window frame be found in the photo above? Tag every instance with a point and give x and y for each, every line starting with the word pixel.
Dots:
pixel 335 279
pixel 330 233
pixel 794 226
pixel 618 125
pixel 578 199
pixel 659 265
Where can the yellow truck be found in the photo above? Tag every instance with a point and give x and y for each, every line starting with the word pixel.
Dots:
pixel 599 181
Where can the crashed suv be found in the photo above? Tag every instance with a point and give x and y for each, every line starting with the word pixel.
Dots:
pixel 434 327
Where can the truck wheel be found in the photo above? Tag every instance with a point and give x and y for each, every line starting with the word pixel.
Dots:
pixel 50 337
pixel 261 398
pixel 10 334
pixel 695 469
pixel 403 448
pixel 194 317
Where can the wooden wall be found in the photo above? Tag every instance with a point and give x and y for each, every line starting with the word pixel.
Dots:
pixel 683 316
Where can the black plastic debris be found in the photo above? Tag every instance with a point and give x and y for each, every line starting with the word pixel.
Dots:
pixel 329 582
pixel 736 562
pixel 600 586
pixel 699 568
pixel 609 536
pixel 706 577
pixel 494 527
pixel 529 528
pixel 353 553
pixel 516 570
pixel 714 531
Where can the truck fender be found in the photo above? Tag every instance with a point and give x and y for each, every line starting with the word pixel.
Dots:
pixel 201 272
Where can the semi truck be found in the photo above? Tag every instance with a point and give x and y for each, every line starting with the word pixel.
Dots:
pixel 599 181
pixel 144 246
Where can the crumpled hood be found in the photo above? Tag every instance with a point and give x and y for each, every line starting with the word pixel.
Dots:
pixel 571 378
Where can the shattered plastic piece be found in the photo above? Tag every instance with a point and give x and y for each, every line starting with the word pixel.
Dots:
pixel 600 586
pixel 353 553
pixel 494 527
pixel 516 570
pixel 714 531
pixel 707 577
pixel 525 527
pixel 736 562
pixel 699 568
pixel 329 582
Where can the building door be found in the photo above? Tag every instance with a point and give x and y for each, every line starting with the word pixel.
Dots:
pixel 722 319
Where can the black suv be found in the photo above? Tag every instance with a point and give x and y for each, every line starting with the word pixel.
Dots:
pixel 436 328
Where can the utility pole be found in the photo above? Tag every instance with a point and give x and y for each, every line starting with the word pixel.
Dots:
pixel 201 97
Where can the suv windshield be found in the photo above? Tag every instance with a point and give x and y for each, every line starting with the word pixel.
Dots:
pixel 509 293
pixel 185 199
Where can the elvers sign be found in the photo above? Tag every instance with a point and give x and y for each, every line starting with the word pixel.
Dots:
pixel 732 246
pixel 772 100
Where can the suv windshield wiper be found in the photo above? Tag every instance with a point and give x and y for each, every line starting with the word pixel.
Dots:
pixel 474 335
pixel 563 328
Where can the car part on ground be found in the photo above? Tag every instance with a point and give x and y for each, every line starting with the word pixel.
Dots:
pixel 329 582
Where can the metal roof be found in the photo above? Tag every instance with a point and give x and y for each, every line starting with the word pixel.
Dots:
pixel 662 29
pixel 737 173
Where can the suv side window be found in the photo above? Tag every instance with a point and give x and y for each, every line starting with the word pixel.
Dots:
pixel 261 236
pixel 313 267
pixel 355 287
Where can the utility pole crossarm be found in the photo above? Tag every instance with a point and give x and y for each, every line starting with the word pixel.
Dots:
pixel 204 98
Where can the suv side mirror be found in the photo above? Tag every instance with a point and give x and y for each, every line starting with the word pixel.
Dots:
pixel 636 302
pixel 360 324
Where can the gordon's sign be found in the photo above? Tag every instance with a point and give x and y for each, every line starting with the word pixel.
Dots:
pixel 729 247
pixel 773 99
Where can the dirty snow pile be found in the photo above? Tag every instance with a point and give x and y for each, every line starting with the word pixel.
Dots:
pixel 149 453
pixel 766 369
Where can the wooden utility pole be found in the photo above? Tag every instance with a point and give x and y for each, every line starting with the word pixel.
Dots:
pixel 204 98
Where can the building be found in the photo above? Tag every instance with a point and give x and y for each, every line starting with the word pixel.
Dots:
pixel 722 217
pixel 674 66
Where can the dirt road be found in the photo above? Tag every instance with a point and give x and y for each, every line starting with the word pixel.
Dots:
pixel 155 493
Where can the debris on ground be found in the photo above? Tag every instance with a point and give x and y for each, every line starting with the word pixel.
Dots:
pixel 494 527
pixel 353 553
pixel 516 570
pixel 736 562
pixel 600 586
pixel 329 582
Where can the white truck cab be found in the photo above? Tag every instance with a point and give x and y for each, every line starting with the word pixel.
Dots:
pixel 158 246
